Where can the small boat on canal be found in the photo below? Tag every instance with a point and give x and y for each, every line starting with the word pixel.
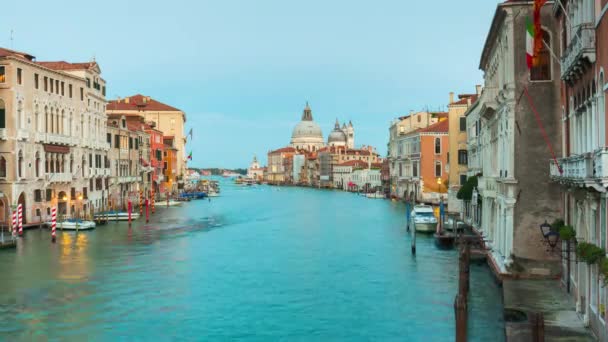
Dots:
pixel 423 219
pixel 377 194
pixel 73 224
pixel 115 215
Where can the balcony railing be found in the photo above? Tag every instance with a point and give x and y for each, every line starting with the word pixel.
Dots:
pixel 63 177
pixel 487 186
pixel 582 46
pixel 22 134
pixel 600 169
pixel 578 169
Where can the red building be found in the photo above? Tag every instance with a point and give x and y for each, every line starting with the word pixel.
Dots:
pixel 157 151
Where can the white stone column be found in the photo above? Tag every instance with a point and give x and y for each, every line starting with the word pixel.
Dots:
pixel 509 232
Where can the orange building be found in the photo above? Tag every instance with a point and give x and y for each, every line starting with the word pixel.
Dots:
pixel 170 165
pixel 428 180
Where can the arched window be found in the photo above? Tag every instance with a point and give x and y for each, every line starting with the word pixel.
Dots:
pixel 542 70
pixel 37 164
pixel 437 169
pixel 46 119
pixel 2 167
pixel 20 165
pixel 437 145
pixel 20 115
pixel 84 164
pixel 36 118
pixel 51 129
pixel 71 163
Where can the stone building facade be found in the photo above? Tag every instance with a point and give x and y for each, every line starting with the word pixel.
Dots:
pixel 52 137
pixel 514 186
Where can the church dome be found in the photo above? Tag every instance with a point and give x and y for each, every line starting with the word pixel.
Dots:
pixel 337 136
pixel 307 132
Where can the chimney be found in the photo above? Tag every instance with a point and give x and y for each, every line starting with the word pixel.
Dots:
pixel 126 100
pixel 118 99
pixel 468 101
pixel 478 89
pixel 451 97
pixel 148 98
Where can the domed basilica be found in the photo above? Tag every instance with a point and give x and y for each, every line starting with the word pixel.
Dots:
pixel 307 134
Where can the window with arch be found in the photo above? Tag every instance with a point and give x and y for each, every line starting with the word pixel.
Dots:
pixel 437 145
pixel 37 166
pixel 542 70
pixel 2 167
pixel 20 165
pixel 437 169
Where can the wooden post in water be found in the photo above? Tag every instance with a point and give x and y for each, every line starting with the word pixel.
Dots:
pixel 461 300
pixel 537 323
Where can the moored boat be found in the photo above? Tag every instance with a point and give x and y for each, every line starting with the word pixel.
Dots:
pixel 423 219
pixel 377 194
pixel 73 224
pixel 115 215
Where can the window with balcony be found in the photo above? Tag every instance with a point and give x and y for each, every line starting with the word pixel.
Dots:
pixel 462 157
pixel 19 76
pixel 2 74
pixel 541 69
pixel 437 145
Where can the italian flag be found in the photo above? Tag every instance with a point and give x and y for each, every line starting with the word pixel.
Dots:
pixel 530 43
pixel 190 155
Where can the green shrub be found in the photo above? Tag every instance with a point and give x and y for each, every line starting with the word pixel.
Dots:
pixel 589 253
pixel 466 191
pixel 567 233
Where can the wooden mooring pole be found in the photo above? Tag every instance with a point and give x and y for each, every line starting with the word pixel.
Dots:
pixel 537 322
pixel 461 300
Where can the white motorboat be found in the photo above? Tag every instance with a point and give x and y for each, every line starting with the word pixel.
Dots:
pixel 375 195
pixel 213 194
pixel 171 203
pixel 116 216
pixel 73 224
pixel 423 219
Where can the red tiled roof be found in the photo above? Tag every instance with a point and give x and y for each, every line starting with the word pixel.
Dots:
pixel 282 150
pixel 360 163
pixel 140 102
pixel 360 152
pixel 63 65
pixel 440 127
pixel 7 52
pixel 464 98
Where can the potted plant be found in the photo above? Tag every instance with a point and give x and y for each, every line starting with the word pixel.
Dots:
pixel 567 233
pixel 590 253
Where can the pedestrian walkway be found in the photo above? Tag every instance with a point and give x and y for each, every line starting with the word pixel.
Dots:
pixel 562 322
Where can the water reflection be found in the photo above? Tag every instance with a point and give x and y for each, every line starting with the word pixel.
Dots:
pixel 74 263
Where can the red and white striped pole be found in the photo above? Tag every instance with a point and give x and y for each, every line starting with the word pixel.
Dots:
pixel 20 218
pixel 129 209
pixel 141 202
pixel 147 211
pixel 53 223
pixel 152 195
pixel 14 226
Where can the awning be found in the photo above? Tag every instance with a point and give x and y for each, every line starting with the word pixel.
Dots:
pixel 56 148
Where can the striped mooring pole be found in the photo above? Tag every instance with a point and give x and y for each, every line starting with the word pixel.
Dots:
pixel 141 202
pixel 20 218
pixel 14 226
pixel 53 223
pixel 152 195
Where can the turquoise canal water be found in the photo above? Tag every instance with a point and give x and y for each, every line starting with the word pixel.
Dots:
pixel 259 264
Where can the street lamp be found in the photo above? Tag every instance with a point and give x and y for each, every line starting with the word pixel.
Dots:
pixel 551 237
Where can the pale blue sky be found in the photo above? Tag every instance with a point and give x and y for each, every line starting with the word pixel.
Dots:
pixel 243 70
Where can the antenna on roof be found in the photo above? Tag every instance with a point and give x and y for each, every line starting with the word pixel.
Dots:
pixel 11 39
